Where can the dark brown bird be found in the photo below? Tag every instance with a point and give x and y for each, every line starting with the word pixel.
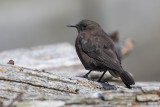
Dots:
pixel 97 52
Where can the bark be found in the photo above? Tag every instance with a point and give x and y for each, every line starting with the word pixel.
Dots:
pixel 56 82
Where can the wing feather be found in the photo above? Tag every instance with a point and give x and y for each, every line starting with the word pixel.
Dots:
pixel 101 53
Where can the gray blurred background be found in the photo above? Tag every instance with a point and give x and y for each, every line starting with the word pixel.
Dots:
pixel 27 23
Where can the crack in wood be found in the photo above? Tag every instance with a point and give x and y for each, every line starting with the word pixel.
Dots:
pixel 37 85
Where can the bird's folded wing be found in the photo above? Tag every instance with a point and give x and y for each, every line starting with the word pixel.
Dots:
pixel 102 55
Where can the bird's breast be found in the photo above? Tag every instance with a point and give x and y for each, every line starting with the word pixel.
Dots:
pixel 84 58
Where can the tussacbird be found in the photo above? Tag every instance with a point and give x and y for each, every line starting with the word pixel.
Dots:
pixel 97 52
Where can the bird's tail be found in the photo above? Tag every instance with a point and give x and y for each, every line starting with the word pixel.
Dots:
pixel 127 79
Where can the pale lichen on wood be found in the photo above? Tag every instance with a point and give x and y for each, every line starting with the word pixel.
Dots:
pixel 55 83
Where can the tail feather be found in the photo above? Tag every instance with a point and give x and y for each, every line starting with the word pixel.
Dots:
pixel 127 79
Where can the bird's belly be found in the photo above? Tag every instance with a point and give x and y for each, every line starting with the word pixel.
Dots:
pixel 87 62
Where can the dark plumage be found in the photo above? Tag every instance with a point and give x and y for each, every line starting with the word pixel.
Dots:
pixel 97 52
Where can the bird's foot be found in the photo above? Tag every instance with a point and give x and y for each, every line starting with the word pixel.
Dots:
pixel 107 86
pixel 84 76
pixel 99 80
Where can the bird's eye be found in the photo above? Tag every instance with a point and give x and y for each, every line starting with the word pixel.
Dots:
pixel 84 26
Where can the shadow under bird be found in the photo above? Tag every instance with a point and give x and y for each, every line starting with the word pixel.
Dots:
pixel 97 52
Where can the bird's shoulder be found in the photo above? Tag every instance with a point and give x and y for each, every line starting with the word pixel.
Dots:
pixel 98 44
pixel 107 44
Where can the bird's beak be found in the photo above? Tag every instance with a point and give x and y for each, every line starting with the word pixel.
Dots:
pixel 72 25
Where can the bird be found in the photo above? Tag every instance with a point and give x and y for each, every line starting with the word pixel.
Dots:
pixel 97 52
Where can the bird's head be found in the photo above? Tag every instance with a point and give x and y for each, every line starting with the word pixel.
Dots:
pixel 86 25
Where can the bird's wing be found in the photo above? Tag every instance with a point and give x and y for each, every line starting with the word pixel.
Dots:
pixel 105 38
pixel 104 55
pixel 118 57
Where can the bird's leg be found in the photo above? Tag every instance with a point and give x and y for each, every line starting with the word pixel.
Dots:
pixel 106 86
pixel 99 80
pixel 86 75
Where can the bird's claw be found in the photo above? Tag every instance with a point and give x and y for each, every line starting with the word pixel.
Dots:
pixel 84 76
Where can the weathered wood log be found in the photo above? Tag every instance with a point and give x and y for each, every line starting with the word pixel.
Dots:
pixel 59 58
pixel 55 83
pixel 16 79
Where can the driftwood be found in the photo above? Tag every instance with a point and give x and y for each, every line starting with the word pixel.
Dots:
pixel 47 76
